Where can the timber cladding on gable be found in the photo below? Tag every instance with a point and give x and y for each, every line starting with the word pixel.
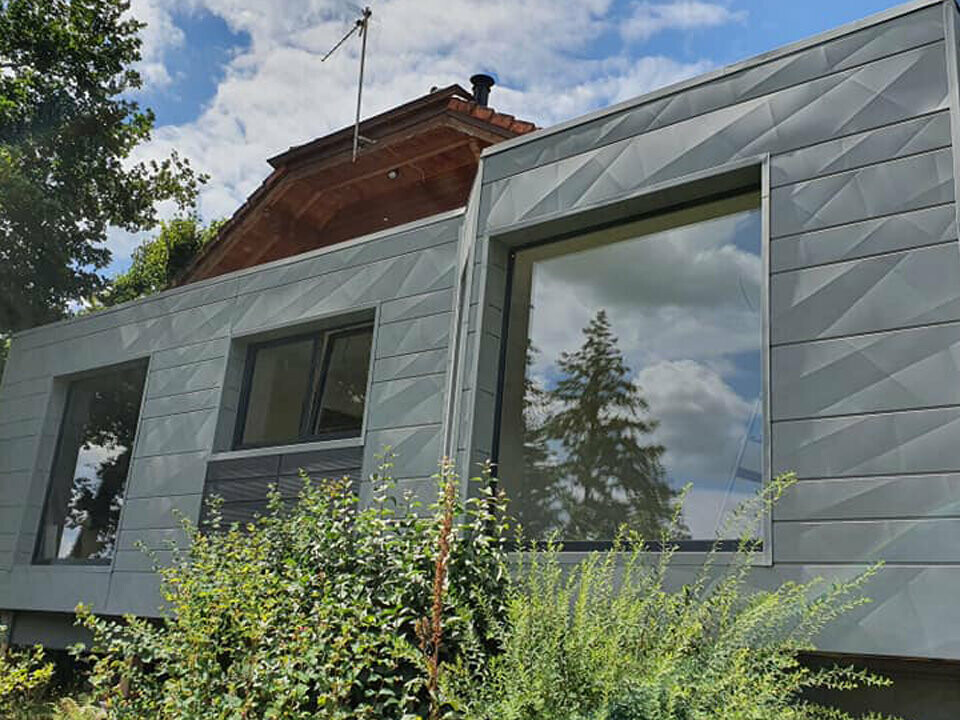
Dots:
pixel 856 135
pixel 190 336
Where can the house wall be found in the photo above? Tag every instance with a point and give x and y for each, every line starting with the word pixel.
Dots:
pixel 850 137
pixel 195 340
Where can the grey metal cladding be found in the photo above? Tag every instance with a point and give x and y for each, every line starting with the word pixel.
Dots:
pixel 867 373
pixel 886 292
pixel 911 137
pixel 871 498
pixel 931 540
pixel 896 186
pixel 416 450
pixel 838 54
pixel 887 91
pixel 409 336
pixel 409 401
pixel 918 441
pixel 392 245
pixel 875 236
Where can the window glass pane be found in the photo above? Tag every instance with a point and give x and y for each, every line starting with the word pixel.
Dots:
pixel 344 391
pixel 90 467
pixel 277 393
pixel 634 368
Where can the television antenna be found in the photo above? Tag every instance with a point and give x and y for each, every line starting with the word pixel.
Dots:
pixel 360 26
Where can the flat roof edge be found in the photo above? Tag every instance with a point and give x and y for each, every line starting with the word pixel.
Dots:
pixel 291 259
pixel 710 76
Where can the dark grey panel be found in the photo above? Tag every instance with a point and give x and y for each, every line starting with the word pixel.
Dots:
pixel 416 450
pixel 921 441
pixel 835 55
pixel 175 474
pixel 909 496
pixel 897 186
pixel 891 371
pixel 847 153
pixel 892 541
pixel 879 293
pixel 870 237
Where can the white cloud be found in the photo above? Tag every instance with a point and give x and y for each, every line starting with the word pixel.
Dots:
pixel 276 93
pixel 160 36
pixel 648 18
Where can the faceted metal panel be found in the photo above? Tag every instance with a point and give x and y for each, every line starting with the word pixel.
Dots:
pixel 180 403
pixel 929 540
pixel 413 336
pixel 413 365
pixel 867 373
pixel 411 401
pixel 876 236
pixel 133 592
pixel 847 153
pixel 838 54
pixel 896 186
pixel 394 245
pixel 180 433
pixel 171 474
pixel 416 306
pixel 189 354
pixel 416 450
pixel 921 441
pixel 159 512
pixel 57 588
pixel 200 375
pixel 911 496
pixel 887 91
pixel 879 293
pixel 426 271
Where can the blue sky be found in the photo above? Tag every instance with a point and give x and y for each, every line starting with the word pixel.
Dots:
pixel 235 81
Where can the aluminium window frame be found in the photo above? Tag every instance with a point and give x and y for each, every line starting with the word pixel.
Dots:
pixel 687 550
pixel 316 382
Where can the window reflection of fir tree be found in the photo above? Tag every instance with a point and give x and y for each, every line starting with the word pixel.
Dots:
pixel 601 473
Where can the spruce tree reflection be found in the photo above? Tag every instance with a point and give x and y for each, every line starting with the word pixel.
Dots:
pixel 587 466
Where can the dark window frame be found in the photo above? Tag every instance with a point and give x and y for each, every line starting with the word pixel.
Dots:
pixel 316 381
pixel 68 395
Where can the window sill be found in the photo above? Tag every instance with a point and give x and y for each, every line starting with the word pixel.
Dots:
pixel 286 449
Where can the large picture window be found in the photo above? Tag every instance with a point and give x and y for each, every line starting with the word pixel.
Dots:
pixel 90 466
pixel 633 368
pixel 309 387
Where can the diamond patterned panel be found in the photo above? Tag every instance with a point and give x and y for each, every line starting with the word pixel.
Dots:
pixel 412 401
pixel 921 441
pixel 887 91
pixel 879 293
pixel 894 541
pixel 871 498
pixel 870 373
pixel 835 55
pixel 902 231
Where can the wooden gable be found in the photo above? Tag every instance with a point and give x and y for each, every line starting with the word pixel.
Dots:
pixel 415 161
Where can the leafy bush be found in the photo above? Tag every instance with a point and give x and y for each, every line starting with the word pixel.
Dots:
pixel 608 639
pixel 23 673
pixel 323 610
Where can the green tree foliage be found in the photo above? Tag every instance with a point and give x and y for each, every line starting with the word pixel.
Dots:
pixel 68 126
pixel 613 639
pixel 160 261
pixel 325 610
pixel 23 673
pixel 609 473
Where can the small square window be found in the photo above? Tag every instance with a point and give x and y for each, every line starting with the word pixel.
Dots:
pixel 82 507
pixel 309 387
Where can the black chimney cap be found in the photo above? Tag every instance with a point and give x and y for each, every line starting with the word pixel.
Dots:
pixel 481 87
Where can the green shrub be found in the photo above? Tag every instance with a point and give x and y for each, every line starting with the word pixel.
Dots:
pixel 23 674
pixel 321 610
pixel 610 639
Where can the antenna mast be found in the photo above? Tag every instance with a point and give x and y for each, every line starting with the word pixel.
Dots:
pixel 361 25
